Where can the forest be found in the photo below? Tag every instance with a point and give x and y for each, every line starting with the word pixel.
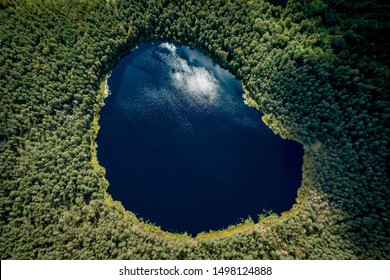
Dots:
pixel 317 69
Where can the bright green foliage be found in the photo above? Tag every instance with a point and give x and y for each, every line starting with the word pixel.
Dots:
pixel 319 70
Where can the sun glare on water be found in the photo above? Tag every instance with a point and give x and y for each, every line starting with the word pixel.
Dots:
pixel 197 82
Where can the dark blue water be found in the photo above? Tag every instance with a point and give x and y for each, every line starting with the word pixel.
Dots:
pixel 182 150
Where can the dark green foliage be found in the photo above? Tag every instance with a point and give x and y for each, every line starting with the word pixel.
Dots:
pixel 319 70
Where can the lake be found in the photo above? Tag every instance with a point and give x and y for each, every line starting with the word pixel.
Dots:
pixel 182 150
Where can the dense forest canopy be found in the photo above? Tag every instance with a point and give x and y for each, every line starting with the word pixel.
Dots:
pixel 318 70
